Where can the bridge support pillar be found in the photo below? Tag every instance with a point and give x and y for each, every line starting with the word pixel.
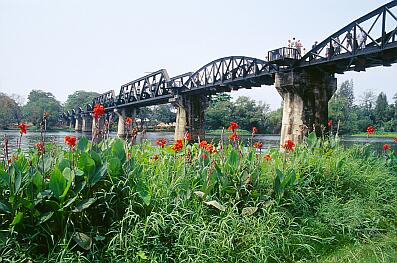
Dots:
pixel 78 125
pixel 121 123
pixel 86 124
pixel 190 116
pixel 72 124
pixel 306 95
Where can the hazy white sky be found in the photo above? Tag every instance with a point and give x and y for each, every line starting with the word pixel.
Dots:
pixel 62 46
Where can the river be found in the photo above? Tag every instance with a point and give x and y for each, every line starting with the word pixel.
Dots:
pixel 32 137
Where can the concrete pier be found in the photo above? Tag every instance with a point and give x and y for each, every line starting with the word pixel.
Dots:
pixel 306 95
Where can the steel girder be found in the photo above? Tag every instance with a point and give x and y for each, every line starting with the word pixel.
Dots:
pixel 373 42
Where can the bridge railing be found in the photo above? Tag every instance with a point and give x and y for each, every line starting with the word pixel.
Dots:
pixel 283 54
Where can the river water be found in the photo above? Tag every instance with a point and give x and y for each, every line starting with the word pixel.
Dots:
pixel 32 137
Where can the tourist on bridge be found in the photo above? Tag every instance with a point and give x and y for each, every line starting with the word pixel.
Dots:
pixel 311 57
pixel 362 38
pixel 336 45
pixel 349 39
pixel 299 47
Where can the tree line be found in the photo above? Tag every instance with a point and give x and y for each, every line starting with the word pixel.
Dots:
pixel 353 115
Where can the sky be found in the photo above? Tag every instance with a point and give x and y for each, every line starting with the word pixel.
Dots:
pixel 61 46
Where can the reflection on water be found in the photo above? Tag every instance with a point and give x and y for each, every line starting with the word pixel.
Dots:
pixel 272 141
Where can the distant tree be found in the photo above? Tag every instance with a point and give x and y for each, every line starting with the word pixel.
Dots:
pixel 218 114
pixel 38 103
pixel 247 113
pixel 381 108
pixel 346 91
pixel 164 113
pixel 10 112
pixel 274 121
pixel 79 98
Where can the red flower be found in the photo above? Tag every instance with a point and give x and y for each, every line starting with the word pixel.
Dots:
pixel 161 142
pixel 395 139
pixel 177 146
pixel 40 147
pixel 70 140
pixel 370 129
pixel 129 120
pixel 267 157
pixel 330 123
pixel 289 145
pixel 98 111
pixel 232 126
pixel 203 144
pixel 186 136
pixel 22 128
pixel 386 146
pixel 254 130
pixel 204 156
pixel 209 148
pixel 233 137
pixel 258 145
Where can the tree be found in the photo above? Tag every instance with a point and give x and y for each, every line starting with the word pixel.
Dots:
pixel 40 102
pixel 79 98
pixel 164 113
pixel 10 112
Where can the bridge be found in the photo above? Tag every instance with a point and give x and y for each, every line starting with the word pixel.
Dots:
pixel 306 82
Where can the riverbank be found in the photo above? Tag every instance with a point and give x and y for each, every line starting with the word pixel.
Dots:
pixel 377 134
pixel 117 202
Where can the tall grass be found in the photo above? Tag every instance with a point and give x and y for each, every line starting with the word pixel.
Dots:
pixel 307 205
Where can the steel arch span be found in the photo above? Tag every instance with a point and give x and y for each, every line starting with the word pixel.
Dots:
pixel 369 41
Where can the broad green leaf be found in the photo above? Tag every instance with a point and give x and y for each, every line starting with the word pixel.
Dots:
pixel 114 167
pixel 82 144
pixel 82 240
pixel 18 181
pixel 247 211
pixel 144 193
pixel 118 149
pixel 71 200
pixel 57 183
pixel 45 217
pixel 69 176
pixel 5 208
pixel 86 164
pixel 4 177
pixel 63 163
pixel 98 175
pixel 38 181
pixel 216 205
pixel 17 219
pixel 84 204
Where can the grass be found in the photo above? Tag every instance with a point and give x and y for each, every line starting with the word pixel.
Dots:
pixel 318 203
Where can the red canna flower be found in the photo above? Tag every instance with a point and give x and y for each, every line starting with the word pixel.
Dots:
pixel 70 140
pixel 258 145
pixel 186 136
pixel 204 156
pixel 40 147
pixel 395 139
pixel 209 148
pixel 267 157
pixel 232 126
pixel 386 146
pixel 22 128
pixel 254 130
pixel 203 144
pixel 177 146
pixel 98 111
pixel 370 129
pixel 161 142
pixel 129 120
pixel 233 137
pixel 289 145
pixel 330 123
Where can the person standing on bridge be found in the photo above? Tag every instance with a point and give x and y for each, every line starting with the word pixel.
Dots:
pixel 311 57
pixel 349 40
pixel 362 38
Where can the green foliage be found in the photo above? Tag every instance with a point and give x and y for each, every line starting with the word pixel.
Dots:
pixel 38 103
pixel 10 111
pixel 79 98
pixel 115 202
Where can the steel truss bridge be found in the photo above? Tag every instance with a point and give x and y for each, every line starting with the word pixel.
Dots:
pixel 372 43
